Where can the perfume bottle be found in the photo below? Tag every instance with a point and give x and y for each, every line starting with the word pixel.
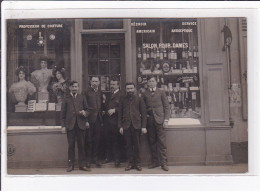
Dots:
pixel 139 53
pixel 144 55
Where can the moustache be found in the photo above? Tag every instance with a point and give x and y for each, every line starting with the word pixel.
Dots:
pixel 130 93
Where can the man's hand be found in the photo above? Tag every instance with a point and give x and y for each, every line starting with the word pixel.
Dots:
pixel 144 131
pixel 165 124
pixel 121 131
pixel 111 111
pixel 87 124
pixel 63 130
pixel 83 113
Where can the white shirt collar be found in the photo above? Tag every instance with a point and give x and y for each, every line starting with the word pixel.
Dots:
pixel 151 89
pixel 116 91
pixel 73 95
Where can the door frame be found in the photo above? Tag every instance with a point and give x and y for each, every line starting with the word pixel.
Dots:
pixel 76 49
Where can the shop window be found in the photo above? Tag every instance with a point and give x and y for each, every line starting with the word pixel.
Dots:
pixel 102 23
pixel 29 41
pixel 168 49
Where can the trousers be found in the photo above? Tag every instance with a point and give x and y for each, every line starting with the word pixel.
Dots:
pixel 157 140
pixel 76 134
pixel 132 139
pixel 93 141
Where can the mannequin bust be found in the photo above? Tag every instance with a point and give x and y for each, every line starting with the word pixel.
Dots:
pixel 21 90
pixel 43 76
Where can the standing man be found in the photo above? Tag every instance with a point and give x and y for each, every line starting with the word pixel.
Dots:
pixel 111 121
pixel 73 119
pixel 158 113
pixel 94 100
pixel 131 118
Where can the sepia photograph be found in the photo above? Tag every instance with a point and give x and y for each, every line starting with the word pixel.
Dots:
pixel 130 93
pixel 125 96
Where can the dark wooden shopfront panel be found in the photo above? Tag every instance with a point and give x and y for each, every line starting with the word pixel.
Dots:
pixel 103 55
pixel 215 72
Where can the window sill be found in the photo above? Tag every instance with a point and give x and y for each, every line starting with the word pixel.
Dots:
pixel 184 123
pixel 32 129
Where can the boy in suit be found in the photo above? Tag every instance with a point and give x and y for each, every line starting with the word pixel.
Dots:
pixel 132 119
pixel 158 112
pixel 74 120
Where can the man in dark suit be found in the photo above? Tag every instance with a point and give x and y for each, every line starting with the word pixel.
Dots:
pixel 132 119
pixel 94 100
pixel 73 119
pixel 112 135
pixel 158 112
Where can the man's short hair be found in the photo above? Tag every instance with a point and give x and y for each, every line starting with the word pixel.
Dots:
pixel 150 77
pixel 115 79
pixel 130 83
pixel 73 82
pixel 93 77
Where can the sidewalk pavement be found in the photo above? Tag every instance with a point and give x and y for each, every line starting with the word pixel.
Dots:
pixel 108 169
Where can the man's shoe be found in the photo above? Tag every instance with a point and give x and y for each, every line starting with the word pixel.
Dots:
pixel 70 168
pixel 98 164
pixel 139 168
pixel 84 168
pixel 153 165
pixel 88 165
pixel 117 163
pixel 129 167
pixel 165 167
pixel 106 161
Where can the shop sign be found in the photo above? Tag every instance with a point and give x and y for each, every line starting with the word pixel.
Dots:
pixel 145 31
pixel 181 30
pixel 38 26
pixel 235 95
pixel 166 45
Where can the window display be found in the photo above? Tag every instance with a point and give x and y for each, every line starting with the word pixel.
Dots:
pixel 38 47
pixel 168 49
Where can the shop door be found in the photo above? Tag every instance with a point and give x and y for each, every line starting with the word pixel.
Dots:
pixel 103 58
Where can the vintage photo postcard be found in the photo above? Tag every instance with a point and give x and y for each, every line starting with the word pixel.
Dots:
pixel 131 95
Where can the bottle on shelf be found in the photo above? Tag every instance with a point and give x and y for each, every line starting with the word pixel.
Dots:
pixel 148 54
pixel 144 55
pixel 157 53
pixel 190 53
pixel 139 53
pixel 183 54
pixel 164 53
pixel 195 52
pixel 170 54
pixel 152 53
pixel 161 54
pixel 174 55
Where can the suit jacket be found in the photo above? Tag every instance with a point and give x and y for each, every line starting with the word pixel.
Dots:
pixel 112 102
pixel 132 111
pixel 95 105
pixel 157 104
pixel 70 112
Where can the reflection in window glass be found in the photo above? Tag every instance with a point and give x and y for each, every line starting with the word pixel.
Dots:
pixel 114 51
pixel 93 67
pixel 104 67
pixel 115 66
pixel 92 51
pixel 103 50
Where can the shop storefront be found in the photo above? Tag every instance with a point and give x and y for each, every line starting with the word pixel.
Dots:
pixel 191 61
